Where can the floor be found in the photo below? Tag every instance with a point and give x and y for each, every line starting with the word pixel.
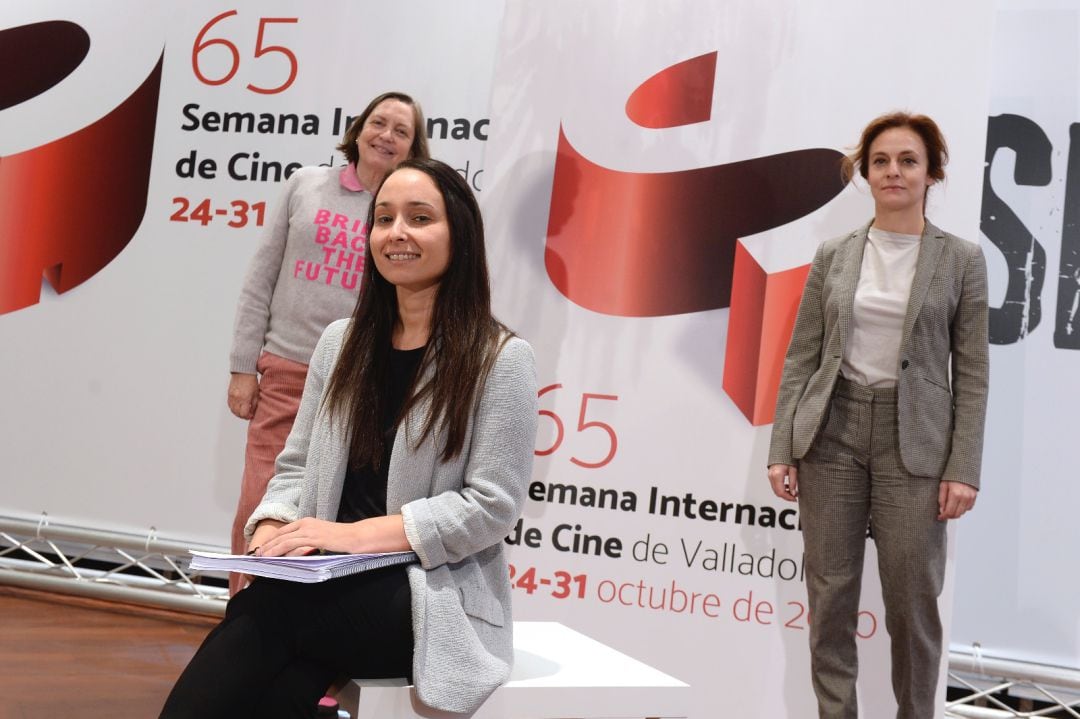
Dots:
pixel 66 656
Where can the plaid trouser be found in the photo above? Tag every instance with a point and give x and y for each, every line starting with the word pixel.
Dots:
pixel 853 475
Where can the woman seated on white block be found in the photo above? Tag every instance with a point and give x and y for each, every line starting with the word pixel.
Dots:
pixel 415 432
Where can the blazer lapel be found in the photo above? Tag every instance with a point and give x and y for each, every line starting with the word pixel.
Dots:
pixel 930 245
pixel 849 281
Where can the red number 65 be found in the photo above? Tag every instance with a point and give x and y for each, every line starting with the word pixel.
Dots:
pixel 582 425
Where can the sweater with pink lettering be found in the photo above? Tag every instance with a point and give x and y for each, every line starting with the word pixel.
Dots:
pixel 306 272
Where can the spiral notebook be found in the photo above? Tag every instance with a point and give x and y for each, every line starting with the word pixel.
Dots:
pixel 308 569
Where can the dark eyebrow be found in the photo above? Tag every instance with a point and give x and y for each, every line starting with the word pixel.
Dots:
pixel 902 152
pixel 410 203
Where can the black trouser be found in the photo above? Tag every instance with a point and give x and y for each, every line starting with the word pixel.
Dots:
pixel 282 644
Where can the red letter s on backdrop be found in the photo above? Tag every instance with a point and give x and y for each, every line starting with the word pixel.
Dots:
pixel 613 263
pixel 51 223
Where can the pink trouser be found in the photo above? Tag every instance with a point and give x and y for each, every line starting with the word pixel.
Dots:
pixel 281 384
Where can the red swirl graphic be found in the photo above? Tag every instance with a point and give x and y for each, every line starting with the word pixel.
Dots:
pixel 69 207
pixel 636 244
pixel 678 95
pixel 57 47
pixel 650 244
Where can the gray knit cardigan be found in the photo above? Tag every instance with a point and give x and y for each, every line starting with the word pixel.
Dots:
pixel 456 515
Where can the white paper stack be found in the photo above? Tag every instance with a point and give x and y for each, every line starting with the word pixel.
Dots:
pixel 308 569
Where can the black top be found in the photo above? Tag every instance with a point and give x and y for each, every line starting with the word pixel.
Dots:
pixel 364 493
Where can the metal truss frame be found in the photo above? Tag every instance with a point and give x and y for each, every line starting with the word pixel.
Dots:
pixel 987 678
pixel 107 565
pixel 154 571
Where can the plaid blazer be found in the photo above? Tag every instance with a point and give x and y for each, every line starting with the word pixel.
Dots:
pixel 942 367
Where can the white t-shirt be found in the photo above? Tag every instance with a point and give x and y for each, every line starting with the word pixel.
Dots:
pixel 881 300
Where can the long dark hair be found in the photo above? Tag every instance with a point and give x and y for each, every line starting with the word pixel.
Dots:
pixel 464 341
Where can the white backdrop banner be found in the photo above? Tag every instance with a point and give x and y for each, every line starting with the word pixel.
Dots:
pixel 658 181
pixel 1017 579
pixel 137 167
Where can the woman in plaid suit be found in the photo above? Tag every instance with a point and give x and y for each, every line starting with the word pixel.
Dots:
pixel 880 414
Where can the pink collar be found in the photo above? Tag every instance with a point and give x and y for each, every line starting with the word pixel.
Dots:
pixel 349 180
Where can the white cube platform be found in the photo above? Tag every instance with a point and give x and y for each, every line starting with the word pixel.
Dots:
pixel 558 673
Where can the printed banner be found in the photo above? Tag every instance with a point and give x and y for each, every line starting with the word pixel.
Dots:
pixel 143 147
pixel 657 180
pixel 1016 571
pixel 660 177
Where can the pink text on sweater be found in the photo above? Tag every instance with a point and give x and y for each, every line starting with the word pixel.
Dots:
pixel 327 274
pixel 340 221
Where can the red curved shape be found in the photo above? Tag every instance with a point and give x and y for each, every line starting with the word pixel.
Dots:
pixel 762 317
pixel 652 244
pixel 69 207
pixel 37 57
pixel 678 95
